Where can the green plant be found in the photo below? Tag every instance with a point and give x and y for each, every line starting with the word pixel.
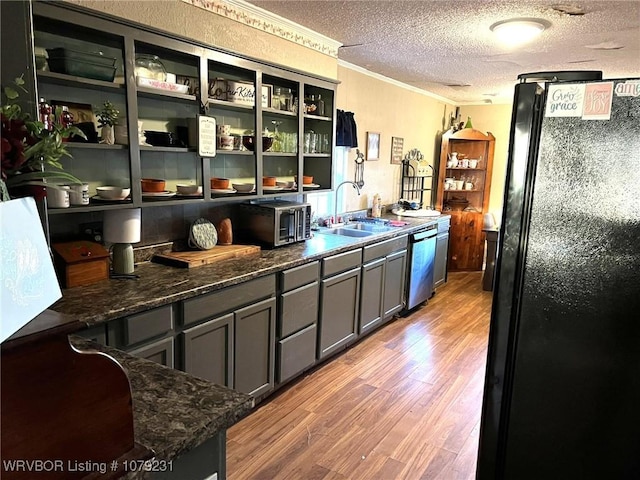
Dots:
pixel 107 114
pixel 28 148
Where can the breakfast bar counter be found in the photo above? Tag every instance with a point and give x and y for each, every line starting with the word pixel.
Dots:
pixel 176 414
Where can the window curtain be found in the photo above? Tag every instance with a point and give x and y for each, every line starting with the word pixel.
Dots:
pixel 346 130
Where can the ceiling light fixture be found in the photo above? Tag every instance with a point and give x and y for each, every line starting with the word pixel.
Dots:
pixel 516 31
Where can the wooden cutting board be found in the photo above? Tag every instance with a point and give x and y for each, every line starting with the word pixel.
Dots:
pixel 205 257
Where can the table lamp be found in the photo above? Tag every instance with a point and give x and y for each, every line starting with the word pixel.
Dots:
pixel 122 228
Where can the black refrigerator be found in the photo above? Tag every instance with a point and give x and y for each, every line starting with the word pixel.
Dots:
pixel 562 387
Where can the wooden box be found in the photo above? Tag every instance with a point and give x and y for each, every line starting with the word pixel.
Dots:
pixel 81 263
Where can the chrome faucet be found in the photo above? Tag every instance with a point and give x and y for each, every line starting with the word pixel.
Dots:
pixel 335 217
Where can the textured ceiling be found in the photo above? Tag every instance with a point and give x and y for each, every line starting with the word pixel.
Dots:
pixel 445 47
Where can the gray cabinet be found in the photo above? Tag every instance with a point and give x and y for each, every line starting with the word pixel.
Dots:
pixel 339 308
pixel 208 350
pixel 160 352
pixel 383 282
pixel 394 283
pixel 254 345
pixel 226 324
pixel 297 320
pixel 442 248
pixel 371 295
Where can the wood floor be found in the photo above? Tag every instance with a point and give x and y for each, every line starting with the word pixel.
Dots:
pixel 404 403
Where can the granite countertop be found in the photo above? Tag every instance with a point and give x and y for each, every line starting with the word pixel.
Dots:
pixel 160 284
pixel 174 412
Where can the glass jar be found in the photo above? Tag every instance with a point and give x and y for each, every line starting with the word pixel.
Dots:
pixel 150 66
pixel 286 100
pixel 276 98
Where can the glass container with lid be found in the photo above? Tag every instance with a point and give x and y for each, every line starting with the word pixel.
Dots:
pixel 150 66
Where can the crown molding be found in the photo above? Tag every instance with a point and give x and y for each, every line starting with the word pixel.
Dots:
pixel 382 78
pixel 258 18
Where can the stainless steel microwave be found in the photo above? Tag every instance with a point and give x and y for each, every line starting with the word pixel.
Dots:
pixel 274 223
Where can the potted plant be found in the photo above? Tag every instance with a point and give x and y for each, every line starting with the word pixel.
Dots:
pixel 107 118
pixel 30 150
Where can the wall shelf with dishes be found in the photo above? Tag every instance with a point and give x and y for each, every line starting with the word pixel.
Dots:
pixel 160 84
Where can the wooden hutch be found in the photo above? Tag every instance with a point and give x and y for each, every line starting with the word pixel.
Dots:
pixel 463 191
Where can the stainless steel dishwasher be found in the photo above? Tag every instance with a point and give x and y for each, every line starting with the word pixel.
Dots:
pixel 422 254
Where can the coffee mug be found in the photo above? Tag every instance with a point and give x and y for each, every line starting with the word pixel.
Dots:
pixel 225 142
pixel 58 197
pixel 468 186
pixel 223 129
pixel 464 163
pixel 473 163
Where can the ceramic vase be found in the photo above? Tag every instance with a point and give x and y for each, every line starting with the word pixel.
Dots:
pixel 107 134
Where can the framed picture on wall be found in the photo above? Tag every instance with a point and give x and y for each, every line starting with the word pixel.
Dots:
pixel 373 146
pixel 397 144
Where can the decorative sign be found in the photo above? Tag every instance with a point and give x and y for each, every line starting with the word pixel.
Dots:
pixel 242 92
pixel 397 144
pixel 628 88
pixel 206 136
pixel 28 283
pixel 565 100
pixel 597 101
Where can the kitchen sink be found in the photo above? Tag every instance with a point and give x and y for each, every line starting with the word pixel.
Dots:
pixel 358 229
pixel 369 227
pixel 347 232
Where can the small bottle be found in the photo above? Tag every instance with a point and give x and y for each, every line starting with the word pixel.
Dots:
pixel 44 114
pixel 375 210
pixel 66 119
pixel 319 103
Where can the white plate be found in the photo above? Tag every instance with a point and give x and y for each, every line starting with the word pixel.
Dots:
pixel 100 199
pixel 166 193
pixel 310 185
pixel 223 190
pixel 274 189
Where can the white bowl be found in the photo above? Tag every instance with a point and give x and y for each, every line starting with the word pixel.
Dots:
pixel 243 187
pixel 112 193
pixel 188 189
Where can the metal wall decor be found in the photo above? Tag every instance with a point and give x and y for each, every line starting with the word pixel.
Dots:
pixel 359 168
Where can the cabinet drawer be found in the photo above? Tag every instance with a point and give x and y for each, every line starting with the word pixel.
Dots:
pixel 298 276
pixel 216 303
pixel 143 326
pixel 298 309
pixel 160 352
pixel 444 224
pixel 296 353
pixel 382 249
pixel 341 262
